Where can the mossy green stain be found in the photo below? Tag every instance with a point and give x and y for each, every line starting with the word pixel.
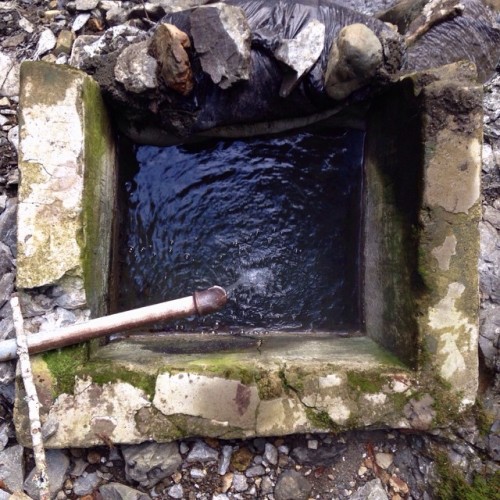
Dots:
pixel 365 382
pixel 63 364
pixel 321 420
pixel 102 373
pixel 452 485
pixel 98 197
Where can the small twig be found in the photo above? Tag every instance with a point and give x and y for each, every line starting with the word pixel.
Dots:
pixel 32 400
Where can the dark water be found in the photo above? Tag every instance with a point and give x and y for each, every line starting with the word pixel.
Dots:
pixel 276 221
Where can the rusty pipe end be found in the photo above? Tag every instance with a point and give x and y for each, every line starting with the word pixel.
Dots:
pixel 210 300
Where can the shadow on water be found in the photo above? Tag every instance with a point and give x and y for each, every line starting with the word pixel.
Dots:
pixel 274 220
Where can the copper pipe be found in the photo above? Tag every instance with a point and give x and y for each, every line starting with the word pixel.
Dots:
pixel 201 302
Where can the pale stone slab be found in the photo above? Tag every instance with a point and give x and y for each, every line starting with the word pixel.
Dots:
pixel 214 398
pixel 98 410
pixel 66 193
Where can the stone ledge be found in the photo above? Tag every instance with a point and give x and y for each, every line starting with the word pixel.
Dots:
pixel 291 384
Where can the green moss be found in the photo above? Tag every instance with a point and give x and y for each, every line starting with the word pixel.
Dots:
pixel 98 198
pixel 224 367
pixel 291 381
pixel 452 485
pixel 269 386
pixel 321 420
pixel 104 373
pixel 151 422
pixel 63 365
pixel 365 382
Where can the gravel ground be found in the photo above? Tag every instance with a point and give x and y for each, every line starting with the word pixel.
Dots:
pixel 358 465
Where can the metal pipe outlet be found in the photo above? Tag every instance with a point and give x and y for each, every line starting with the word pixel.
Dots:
pixel 201 302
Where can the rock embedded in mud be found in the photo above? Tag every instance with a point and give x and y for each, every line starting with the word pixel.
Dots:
pixel 168 46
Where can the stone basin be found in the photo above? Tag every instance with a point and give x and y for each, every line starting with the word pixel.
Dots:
pixel 414 366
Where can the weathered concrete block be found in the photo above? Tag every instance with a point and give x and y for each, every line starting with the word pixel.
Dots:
pixel 67 188
pixel 422 238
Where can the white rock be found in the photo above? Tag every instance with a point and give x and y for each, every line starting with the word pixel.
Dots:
pixel 46 42
pixel 9 75
pixel 25 25
pixel 302 52
pixel 13 136
pixel 86 4
pixel 80 21
pixel 176 491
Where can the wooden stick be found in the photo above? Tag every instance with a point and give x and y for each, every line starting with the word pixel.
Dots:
pixel 41 477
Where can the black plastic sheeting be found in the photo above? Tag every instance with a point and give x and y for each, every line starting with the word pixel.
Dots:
pixel 258 99
pixel 471 36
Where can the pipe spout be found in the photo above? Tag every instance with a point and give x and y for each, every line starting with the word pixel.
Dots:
pixel 210 300
pixel 201 302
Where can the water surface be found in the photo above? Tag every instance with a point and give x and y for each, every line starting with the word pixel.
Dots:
pixel 275 220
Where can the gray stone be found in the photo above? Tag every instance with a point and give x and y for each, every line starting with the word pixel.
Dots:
pixel 271 454
pixel 255 471
pixel 79 467
pixel 46 43
pixel 420 413
pixel 240 483
pixel 86 4
pixel 149 463
pixel 7 375
pixel 354 59
pixel 222 38
pixel 80 21
pixel 178 5
pixel 494 446
pixel 325 455
pixel 9 75
pixel 301 53
pixel 117 491
pixel 12 468
pixel 69 293
pixel 8 225
pixel 116 15
pixel 197 473
pixel 4 436
pixel 266 486
pixel 176 491
pixel 373 490
pixel 86 484
pixel 292 485
pixel 13 136
pixel 225 459
pixel 136 69
pixel 6 289
pixel 203 453
pixel 57 466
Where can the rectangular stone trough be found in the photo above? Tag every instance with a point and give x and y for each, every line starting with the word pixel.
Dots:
pixel 416 367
